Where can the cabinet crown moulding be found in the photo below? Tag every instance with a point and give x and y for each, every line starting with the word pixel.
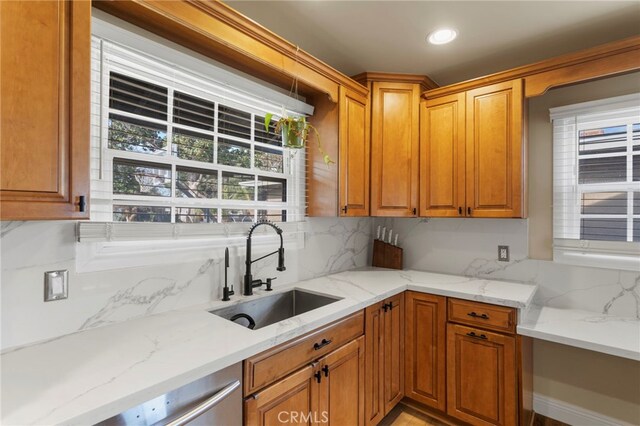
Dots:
pixel 216 30
pixel 608 59
pixel 423 80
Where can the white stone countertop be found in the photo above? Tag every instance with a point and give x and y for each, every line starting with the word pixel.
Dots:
pixel 89 376
pixel 583 329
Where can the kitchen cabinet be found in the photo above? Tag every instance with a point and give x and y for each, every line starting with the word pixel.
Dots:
pixel 425 349
pixel 473 153
pixel 329 391
pixel 340 189
pixel 341 385
pixel 354 158
pixel 394 148
pixel 315 378
pixel 291 396
pixel 488 366
pixel 384 337
pixel 44 136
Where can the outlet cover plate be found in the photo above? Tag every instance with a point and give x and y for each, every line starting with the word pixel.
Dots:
pixel 56 285
pixel 503 253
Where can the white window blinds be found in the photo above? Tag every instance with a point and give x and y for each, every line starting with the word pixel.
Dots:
pixel 173 141
pixel 596 183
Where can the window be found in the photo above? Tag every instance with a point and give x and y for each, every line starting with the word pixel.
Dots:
pixel 597 182
pixel 171 145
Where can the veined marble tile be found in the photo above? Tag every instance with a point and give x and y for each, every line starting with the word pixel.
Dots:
pixel 28 249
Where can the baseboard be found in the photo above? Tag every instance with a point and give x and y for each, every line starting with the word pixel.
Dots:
pixel 572 414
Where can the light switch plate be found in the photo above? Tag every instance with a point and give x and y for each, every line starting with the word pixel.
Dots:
pixel 503 253
pixel 56 285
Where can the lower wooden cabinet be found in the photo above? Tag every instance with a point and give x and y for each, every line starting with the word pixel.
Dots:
pixel 328 391
pixel 291 400
pixel 425 349
pixel 384 378
pixel 341 385
pixel 481 376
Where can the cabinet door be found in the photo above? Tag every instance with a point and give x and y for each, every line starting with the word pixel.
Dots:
pixel 44 109
pixel 374 364
pixel 394 149
pixel 341 396
pixel 495 151
pixel 393 352
pixel 442 159
pixel 481 376
pixel 354 154
pixel 425 349
pixel 292 400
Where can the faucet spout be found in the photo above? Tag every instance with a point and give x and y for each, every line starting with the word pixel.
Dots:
pixel 249 283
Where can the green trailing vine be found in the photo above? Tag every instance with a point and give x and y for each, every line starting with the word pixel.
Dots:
pixel 295 133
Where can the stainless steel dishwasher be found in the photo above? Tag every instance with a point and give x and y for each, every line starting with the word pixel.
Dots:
pixel 214 400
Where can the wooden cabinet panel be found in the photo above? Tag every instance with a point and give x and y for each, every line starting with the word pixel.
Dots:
pixel 485 315
pixel 394 149
pixel 354 154
pixel 374 364
pixel 494 151
pixel 341 395
pixel 481 376
pixel 393 352
pixel 442 157
pixel 267 367
pixel 292 400
pixel 44 109
pixel 425 349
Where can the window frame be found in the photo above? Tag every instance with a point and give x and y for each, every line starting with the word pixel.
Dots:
pixel 294 204
pixel 568 248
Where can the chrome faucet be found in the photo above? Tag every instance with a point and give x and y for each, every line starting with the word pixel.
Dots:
pixel 249 282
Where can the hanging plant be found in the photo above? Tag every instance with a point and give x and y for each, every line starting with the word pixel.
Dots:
pixel 295 133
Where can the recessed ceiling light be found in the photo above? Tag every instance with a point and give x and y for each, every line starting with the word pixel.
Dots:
pixel 442 36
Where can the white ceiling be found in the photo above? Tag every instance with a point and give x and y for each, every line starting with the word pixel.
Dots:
pixel 389 36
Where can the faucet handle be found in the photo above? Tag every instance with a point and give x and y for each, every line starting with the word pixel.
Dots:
pixel 269 283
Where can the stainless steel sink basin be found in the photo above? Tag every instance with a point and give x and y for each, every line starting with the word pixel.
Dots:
pixel 271 309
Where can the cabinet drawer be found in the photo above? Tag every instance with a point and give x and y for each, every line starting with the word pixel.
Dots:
pixel 269 366
pixel 492 317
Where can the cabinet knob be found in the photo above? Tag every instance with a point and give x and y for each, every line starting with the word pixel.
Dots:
pixel 82 203
pixel 469 211
pixel 415 211
pixel 460 211
pixel 344 210
pixel 325 369
pixel 318 376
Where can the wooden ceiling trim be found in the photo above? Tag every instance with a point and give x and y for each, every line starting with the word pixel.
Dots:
pixel 609 59
pixel 221 33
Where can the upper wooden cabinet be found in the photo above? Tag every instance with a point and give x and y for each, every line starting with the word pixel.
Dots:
pixel 340 189
pixel 354 157
pixel 473 153
pixel 495 154
pixel 394 149
pixel 442 156
pixel 44 109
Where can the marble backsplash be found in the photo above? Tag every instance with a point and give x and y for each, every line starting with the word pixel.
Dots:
pixel 470 247
pixel 456 246
pixel 28 249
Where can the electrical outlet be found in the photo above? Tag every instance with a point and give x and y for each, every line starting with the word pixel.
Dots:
pixel 503 253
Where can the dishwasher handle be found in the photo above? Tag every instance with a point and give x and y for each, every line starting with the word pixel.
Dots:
pixel 209 403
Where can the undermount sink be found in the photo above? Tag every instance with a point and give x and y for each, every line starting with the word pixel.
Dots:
pixel 274 308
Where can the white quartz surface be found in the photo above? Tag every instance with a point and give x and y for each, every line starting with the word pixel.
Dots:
pixel 609 334
pixel 89 376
